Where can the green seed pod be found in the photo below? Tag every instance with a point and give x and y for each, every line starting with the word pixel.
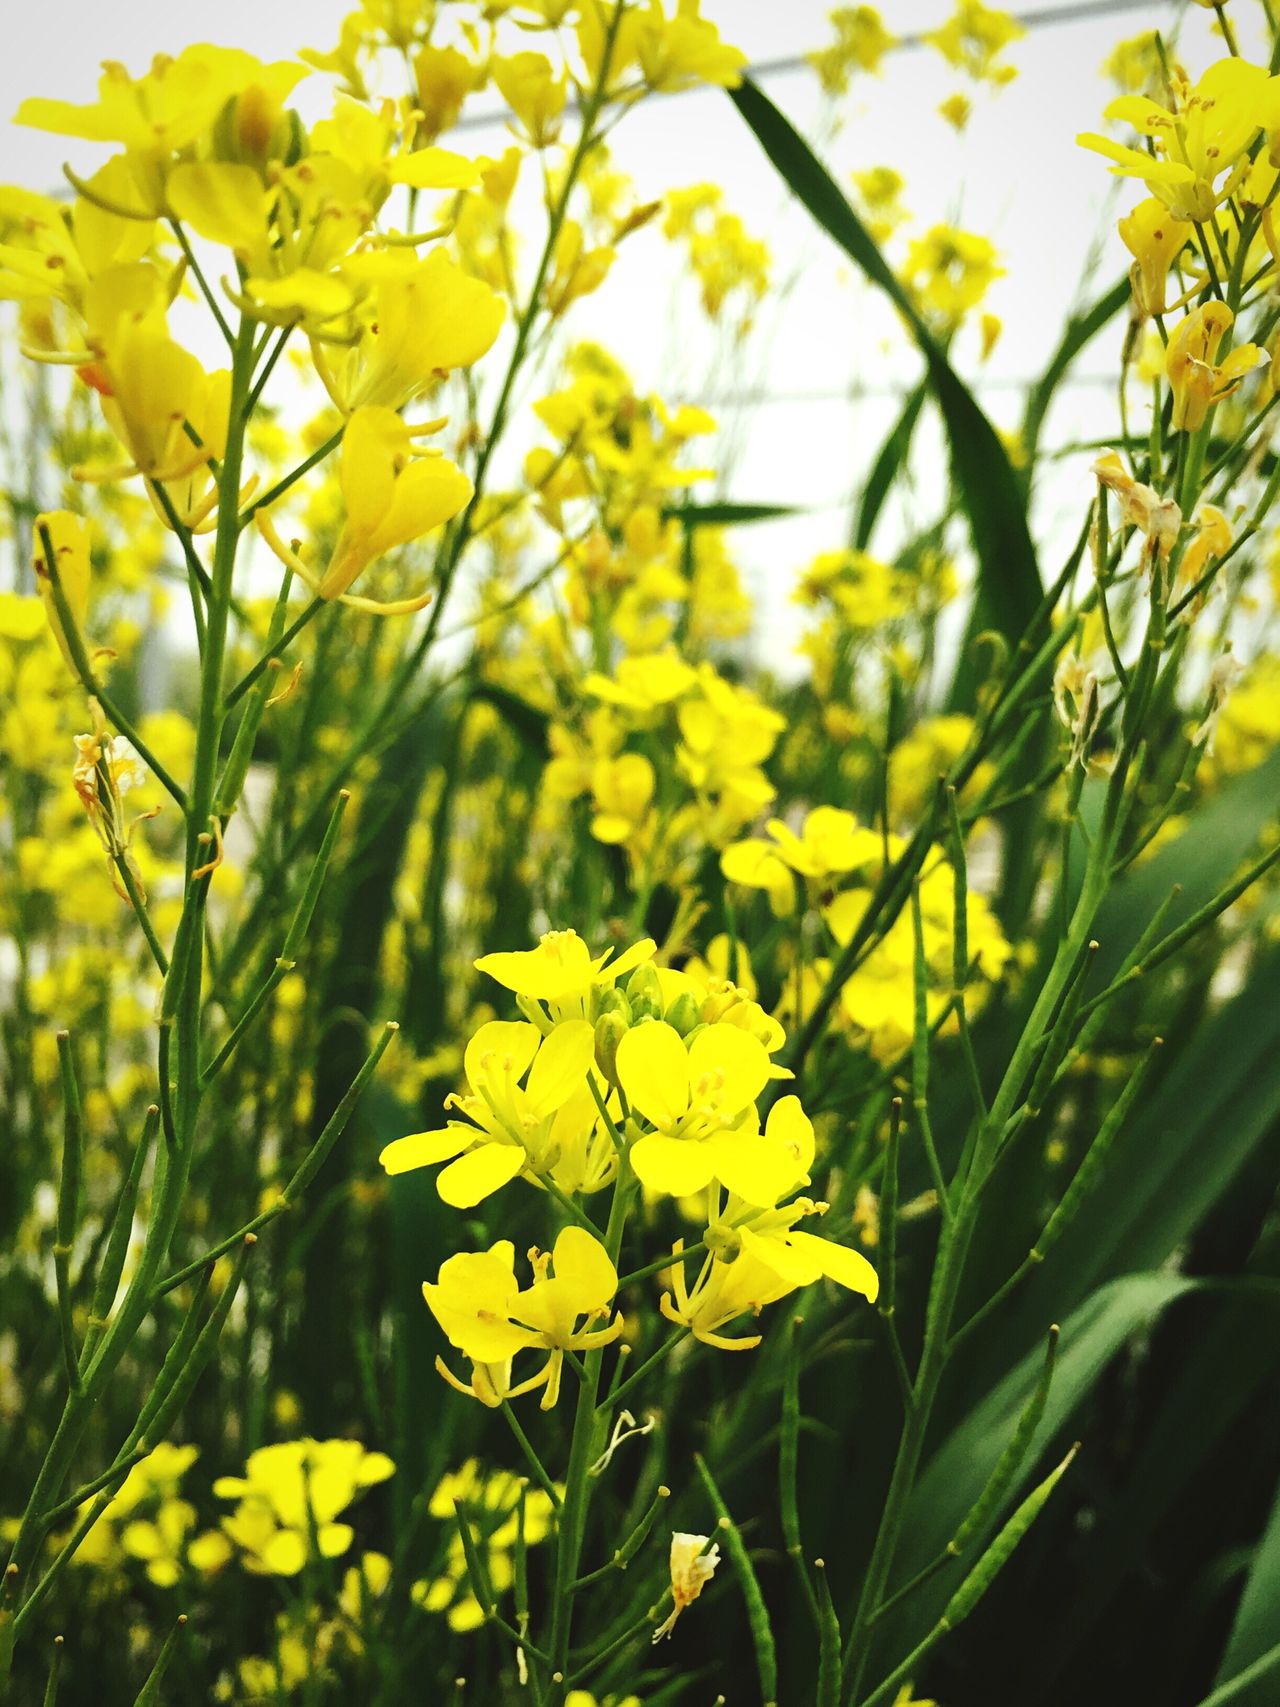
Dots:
pixel 645 993
pixel 684 1013
pixel 998 1554
pixel 611 1028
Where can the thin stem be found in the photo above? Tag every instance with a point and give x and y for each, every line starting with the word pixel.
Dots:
pixel 535 1463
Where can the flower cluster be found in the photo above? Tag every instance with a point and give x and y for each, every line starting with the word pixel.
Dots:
pixel 657 1073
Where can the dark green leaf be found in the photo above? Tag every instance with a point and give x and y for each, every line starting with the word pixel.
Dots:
pixel 1009 587
pixel 893 454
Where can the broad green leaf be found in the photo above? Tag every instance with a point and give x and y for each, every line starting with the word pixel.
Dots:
pixel 1009 587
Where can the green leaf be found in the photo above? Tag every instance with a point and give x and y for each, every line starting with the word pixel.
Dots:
pixel 956 1475
pixel 725 514
pixel 1009 588
pixel 1218 840
pixel 1081 328
pixel 1177 1155
pixel 1256 1629
pixel 526 720
pixel 884 471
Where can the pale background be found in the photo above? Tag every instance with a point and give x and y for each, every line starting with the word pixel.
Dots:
pixel 810 400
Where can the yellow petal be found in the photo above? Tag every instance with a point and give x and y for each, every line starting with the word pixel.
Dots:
pixel 474 1177
pixel 776 1254
pixel 653 1070
pixel 756 1169
pixel 284 1555
pixel 225 203
pixel 304 290
pixel 790 1127
pixel 672 1165
pixel 583 1267
pixel 735 1064
pixel 421 1149
pixel 434 169
pixel 846 1267
pixel 500 1051
pixel 561 1065
pixel 431 490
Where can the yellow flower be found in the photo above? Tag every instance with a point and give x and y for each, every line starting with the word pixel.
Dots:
pixel 509 1128
pixel 622 789
pixel 290 1491
pixel 149 384
pixel 444 78
pixel 671 52
pixel 1212 540
pixel 693 1563
pixel 643 684
pixel 169 107
pixel 477 1303
pixel 950 271
pixel 699 1100
pixel 395 492
pixel 1205 133
pixel 1134 64
pixel 861 43
pixel 493 1501
pixel 974 38
pixel 560 973
pixel 1189 363
pixel 756 1260
pixel 1141 506
pixel 428 317
pixel 534 94
pixel 1155 239
pixel 392 494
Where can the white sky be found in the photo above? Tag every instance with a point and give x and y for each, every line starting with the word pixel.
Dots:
pixel 1016 176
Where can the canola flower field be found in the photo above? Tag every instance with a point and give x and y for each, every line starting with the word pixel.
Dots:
pixel 547 1157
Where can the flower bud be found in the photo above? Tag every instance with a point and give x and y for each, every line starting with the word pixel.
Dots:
pixel 611 1028
pixel 253 128
pixel 644 992
pixel 684 1013
pixel 608 999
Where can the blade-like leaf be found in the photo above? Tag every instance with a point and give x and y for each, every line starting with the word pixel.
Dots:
pixel 1081 328
pixel 1009 587
pixel 959 1470
pixel 725 514
pixel 884 471
pixel 1256 1629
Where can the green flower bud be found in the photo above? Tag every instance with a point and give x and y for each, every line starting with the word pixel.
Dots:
pixel 611 1028
pixel 684 1013
pixel 610 1000
pixel 645 993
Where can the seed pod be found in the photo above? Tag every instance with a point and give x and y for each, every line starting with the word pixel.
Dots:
pixel 998 1554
